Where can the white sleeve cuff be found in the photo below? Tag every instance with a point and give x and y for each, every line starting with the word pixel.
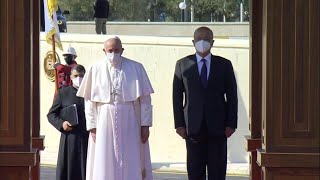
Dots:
pixel 90 111
pixel 146 111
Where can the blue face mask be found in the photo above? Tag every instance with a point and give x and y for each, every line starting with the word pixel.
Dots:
pixel 202 46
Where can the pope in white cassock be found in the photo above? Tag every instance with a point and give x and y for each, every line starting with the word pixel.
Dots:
pixel 118 114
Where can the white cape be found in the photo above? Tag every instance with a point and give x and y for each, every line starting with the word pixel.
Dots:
pixel 96 84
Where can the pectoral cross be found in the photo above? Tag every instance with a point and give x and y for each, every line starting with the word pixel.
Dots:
pixel 113 94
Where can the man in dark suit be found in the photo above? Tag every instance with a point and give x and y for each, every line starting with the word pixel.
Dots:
pixel 205 105
pixel 101 14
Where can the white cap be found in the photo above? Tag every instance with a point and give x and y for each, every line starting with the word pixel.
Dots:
pixel 70 50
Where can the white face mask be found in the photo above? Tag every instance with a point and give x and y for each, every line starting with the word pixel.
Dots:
pixel 76 82
pixel 113 58
pixel 202 46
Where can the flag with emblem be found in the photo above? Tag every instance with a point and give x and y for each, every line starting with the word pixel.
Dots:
pixel 51 25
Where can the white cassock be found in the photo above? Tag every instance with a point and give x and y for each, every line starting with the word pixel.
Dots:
pixel 117 103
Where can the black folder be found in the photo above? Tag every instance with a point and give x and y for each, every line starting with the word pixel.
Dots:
pixel 70 114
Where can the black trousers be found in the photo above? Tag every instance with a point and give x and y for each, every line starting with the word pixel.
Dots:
pixel 206 152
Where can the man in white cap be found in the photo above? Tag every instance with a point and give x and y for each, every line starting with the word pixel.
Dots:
pixel 64 71
pixel 118 114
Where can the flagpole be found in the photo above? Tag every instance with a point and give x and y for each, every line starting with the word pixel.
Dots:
pixel 52 34
pixel 54 62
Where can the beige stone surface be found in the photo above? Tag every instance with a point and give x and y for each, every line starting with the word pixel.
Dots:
pixel 171 29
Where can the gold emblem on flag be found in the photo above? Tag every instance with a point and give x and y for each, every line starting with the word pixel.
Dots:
pixel 48 65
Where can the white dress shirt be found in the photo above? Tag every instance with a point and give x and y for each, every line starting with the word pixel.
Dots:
pixel 200 63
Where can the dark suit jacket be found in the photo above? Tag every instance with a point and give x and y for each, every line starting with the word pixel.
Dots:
pixel 217 104
pixel 101 9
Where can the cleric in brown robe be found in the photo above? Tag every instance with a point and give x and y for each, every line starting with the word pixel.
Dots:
pixel 71 163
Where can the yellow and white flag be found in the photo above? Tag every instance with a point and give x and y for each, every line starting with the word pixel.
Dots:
pixel 51 25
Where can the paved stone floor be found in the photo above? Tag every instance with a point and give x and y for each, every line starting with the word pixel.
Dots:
pixel 48 173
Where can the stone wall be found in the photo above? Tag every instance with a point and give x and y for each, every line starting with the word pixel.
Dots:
pixel 176 29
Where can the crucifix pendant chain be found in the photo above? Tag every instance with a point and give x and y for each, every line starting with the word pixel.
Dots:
pixel 116 82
